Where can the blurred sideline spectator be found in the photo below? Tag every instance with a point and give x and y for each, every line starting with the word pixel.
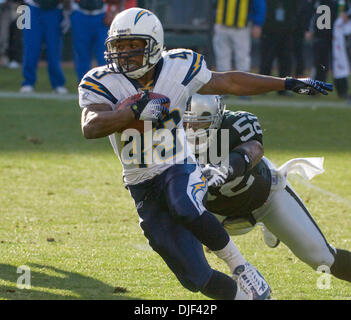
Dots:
pixel 90 21
pixel 235 22
pixel 341 64
pixel 186 24
pixel 321 38
pixel 298 39
pixel 116 6
pixel 277 37
pixel 15 39
pixel 5 22
pixel 46 23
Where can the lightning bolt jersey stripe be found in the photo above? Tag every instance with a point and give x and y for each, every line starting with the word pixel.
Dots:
pixel 194 68
pixel 198 187
pixel 95 86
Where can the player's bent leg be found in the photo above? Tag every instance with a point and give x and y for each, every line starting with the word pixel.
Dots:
pixel 288 219
pixel 186 188
pixel 181 251
pixel 179 248
pixel 206 227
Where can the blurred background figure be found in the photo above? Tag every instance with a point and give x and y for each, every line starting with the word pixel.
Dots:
pixel 5 22
pixel 235 22
pixel 277 37
pixel 321 38
pixel 341 64
pixel 116 6
pixel 186 24
pixel 298 40
pixel 46 26
pixel 90 21
pixel 15 50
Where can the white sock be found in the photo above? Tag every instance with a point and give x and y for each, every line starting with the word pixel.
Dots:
pixel 231 255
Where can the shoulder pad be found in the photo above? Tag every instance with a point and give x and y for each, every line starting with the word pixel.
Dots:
pixel 244 124
pixel 97 81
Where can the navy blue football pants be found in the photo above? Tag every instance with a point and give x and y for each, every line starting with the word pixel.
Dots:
pixel 166 203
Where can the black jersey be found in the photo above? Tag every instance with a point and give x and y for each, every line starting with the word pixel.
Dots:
pixel 240 196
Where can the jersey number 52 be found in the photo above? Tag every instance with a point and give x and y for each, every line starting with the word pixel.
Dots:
pixel 247 126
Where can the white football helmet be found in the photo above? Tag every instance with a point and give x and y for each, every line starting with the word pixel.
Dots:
pixel 135 23
pixel 203 112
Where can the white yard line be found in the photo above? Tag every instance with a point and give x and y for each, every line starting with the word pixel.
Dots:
pixel 310 103
pixel 36 95
pixel 333 196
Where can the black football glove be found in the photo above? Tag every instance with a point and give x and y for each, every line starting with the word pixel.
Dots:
pixel 307 86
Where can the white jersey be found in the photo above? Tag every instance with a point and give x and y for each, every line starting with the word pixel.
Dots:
pixel 179 74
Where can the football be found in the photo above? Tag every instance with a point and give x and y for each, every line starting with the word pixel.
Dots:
pixel 126 103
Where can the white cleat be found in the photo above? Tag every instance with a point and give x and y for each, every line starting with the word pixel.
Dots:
pixel 250 281
pixel 27 89
pixel 269 238
pixel 13 65
pixel 60 90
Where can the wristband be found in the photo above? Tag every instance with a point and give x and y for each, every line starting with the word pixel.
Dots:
pixel 289 83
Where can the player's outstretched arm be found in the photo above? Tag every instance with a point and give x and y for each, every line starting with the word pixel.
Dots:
pixel 99 120
pixel 245 84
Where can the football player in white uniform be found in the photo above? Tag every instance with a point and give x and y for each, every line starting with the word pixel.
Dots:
pixel 168 193
pixel 245 193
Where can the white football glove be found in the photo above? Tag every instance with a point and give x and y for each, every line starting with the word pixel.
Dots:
pixel 216 176
pixel 154 111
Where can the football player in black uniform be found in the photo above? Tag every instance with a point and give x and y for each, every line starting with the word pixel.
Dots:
pixel 247 189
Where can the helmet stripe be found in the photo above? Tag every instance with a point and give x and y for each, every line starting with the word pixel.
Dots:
pixel 140 14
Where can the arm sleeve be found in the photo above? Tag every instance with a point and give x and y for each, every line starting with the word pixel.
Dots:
pixel 257 13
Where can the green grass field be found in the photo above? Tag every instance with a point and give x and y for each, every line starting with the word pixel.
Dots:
pixel 66 215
